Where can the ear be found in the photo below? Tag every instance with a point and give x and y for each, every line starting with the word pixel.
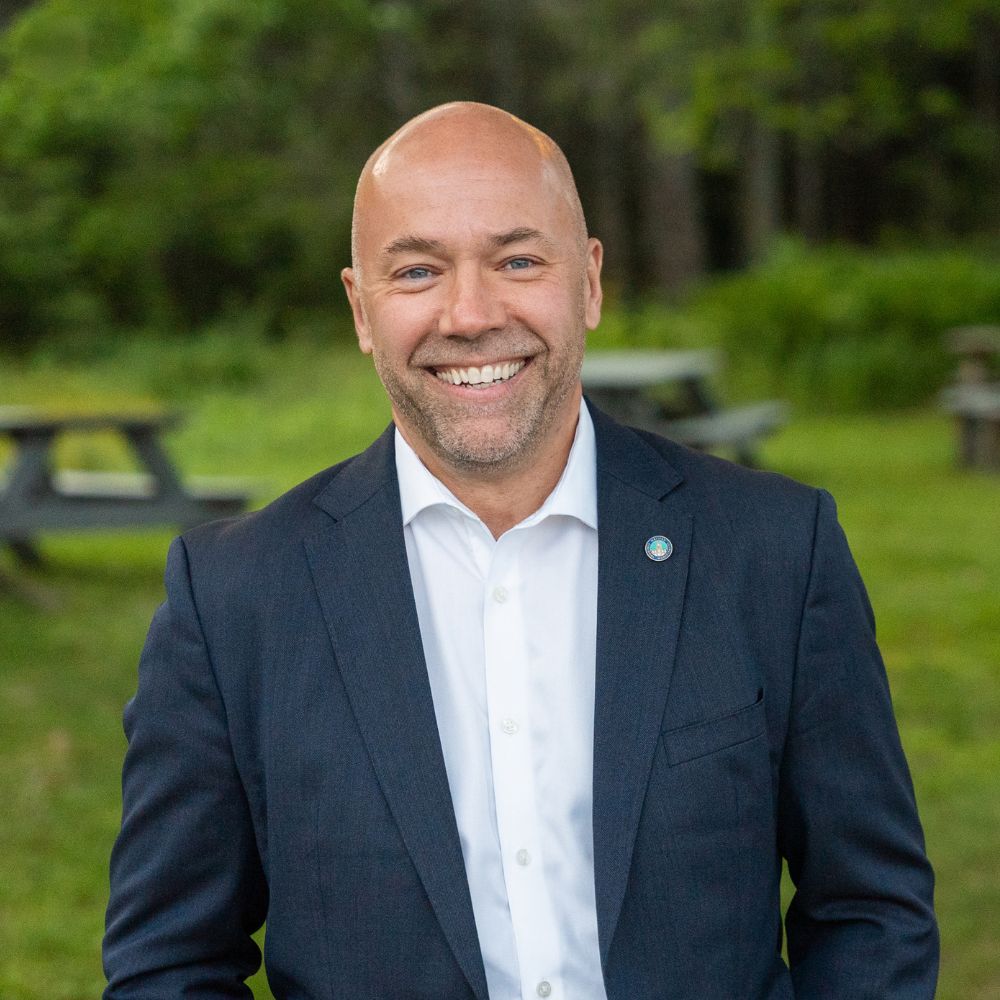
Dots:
pixel 349 278
pixel 595 296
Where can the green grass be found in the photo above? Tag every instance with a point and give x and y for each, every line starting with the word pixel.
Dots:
pixel 927 538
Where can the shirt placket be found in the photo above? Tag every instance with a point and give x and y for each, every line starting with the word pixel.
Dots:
pixel 510 719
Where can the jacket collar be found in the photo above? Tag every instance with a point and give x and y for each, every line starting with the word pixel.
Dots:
pixel 621 455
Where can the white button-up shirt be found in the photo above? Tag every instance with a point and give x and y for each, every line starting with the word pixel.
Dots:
pixel 509 630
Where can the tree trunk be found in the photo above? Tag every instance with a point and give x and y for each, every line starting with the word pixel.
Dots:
pixel 761 167
pixel 808 189
pixel 809 180
pixel 986 97
pixel 986 71
pixel 674 232
pixel 396 60
pixel 605 207
pixel 761 187
pixel 504 56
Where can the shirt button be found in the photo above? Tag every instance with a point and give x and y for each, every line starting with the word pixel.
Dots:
pixel 544 988
pixel 509 726
pixel 524 859
pixel 500 594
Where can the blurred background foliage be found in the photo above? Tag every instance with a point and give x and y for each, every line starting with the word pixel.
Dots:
pixel 176 164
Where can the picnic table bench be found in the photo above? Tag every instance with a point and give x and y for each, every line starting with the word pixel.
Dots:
pixel 670 393
pixel 36 497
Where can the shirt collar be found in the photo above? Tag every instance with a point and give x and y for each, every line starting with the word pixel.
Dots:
pixel 575 495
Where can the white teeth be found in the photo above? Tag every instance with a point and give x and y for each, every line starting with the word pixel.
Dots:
pixel 487 375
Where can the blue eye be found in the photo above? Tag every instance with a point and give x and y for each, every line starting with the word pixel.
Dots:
pixel 416 273
pixel 520 263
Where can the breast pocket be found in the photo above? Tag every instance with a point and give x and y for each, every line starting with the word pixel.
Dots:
pixel 702 738
pixel 714 776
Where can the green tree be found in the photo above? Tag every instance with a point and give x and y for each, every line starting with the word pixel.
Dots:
pixel 163 162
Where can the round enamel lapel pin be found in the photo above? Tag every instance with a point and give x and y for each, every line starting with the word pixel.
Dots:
pixel 659 547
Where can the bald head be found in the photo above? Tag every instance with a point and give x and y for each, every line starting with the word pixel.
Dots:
pixel 475 134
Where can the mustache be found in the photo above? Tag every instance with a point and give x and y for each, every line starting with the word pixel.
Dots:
pixel 493 345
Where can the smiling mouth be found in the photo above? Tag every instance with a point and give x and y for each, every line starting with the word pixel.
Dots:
pixel 481 377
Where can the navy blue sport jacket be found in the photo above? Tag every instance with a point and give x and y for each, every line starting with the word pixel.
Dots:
pixel 284 761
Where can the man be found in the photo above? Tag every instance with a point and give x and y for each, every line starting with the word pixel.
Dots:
pixel 519 702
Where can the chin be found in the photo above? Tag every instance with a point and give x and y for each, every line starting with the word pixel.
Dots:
pixel 483 452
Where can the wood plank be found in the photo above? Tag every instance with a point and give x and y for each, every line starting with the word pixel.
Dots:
pixel 732 426
pixel 981 401
pixel 76 483
pixel 16 420
pixel 99 513
pixel 624 370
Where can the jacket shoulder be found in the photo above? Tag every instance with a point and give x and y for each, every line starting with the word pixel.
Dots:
pixel 301 511
pixel 750 500
pixel 264 529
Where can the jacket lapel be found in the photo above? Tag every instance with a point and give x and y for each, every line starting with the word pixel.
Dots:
pixel 638 613
pixel 362 578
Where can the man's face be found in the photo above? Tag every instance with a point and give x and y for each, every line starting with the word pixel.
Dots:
pixel 473 292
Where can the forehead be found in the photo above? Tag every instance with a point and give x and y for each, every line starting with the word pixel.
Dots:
pixel 462 192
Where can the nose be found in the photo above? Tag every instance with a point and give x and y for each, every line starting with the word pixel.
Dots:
pixel 473 306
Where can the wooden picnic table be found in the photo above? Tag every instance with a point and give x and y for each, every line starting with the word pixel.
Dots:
pixel 36 497
pixel 670 393
pixel 974 396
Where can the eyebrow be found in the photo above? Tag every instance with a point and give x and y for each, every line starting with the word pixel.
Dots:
pixel 420 244
pixel 412 244
pixel 520 235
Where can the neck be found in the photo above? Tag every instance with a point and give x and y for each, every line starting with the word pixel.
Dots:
pixel 509 499
pixel 503 498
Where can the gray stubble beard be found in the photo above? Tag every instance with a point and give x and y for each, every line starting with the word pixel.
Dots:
pixel 445 437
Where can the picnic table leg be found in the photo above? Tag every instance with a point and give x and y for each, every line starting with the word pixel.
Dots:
pixel 699 396
pixel 25 551
pixel 146 446
pixel 31 470
pixel 989 444
pixel 968 439
pixel 700 400
pixel 35 595
pixel 30 478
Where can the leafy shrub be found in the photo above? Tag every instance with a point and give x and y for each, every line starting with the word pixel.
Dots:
pixel 830 329
pixel 848 329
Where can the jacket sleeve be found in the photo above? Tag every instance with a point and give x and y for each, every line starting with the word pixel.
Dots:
pixel 861 922
pixel 187 887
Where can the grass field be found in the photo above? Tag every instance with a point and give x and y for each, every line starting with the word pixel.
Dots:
pixel 926 536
